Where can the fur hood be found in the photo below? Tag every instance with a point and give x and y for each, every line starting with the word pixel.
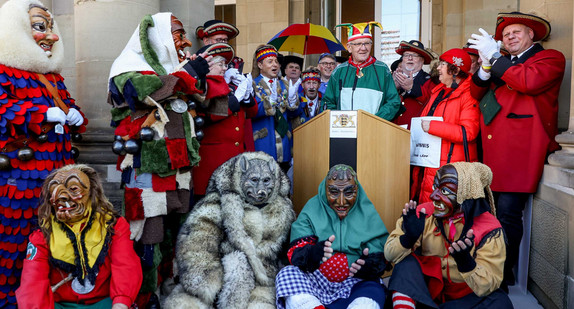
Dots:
pixel 18 48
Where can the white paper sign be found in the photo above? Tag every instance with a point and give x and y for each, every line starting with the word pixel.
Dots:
pixel 425 148
pixel 343 124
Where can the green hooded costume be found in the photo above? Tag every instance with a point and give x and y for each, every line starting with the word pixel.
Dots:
pixel 361 228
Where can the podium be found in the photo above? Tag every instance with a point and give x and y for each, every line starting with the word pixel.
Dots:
pixel 378 150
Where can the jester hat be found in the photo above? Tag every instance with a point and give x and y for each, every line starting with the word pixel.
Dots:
pixel 360 30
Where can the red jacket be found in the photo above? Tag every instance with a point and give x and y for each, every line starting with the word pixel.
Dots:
pixel 225 137
pixel 458 109
pixel 119 278
pixel 516 142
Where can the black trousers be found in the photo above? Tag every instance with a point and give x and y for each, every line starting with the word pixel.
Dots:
pixel 509 207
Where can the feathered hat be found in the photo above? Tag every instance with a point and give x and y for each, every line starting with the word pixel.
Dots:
pixel 360 30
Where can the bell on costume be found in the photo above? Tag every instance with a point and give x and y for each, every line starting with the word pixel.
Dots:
pixel 199 135
pixel 25 154
pixel 191 105
pixel 42 138
pixel 75 152
pixel 132 146
pixel 4 162
pixel 199 121
pixel 147 134
pixel 118 146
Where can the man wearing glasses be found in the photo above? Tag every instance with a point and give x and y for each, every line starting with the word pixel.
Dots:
pixel 363 82
pixel 327 63
pixel 413 84
pixel 215 31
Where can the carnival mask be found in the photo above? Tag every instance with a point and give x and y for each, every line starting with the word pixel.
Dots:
pixel 257 180
pixel 42 25
pixel 70 195
pixel 444 193
pixel 341 195
pixel 179 38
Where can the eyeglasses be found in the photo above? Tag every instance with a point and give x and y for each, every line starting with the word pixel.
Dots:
pixel 412 56
pixel 219 40
pixel 365 44
pixel 328 64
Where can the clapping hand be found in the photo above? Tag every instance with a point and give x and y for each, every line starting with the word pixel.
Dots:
pixel 485 45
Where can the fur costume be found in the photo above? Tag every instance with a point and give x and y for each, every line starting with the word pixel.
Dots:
pixel 228 249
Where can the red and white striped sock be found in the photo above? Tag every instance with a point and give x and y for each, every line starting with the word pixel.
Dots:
pixel 402 301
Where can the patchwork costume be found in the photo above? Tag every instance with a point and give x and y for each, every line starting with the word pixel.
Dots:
pixel 329 283
pixel 147 89
pixel 24 102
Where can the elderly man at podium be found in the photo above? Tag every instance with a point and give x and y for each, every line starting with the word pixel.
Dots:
pixel 336 249
pixel 362 82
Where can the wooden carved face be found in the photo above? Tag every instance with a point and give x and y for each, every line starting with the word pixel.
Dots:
pixel 70 195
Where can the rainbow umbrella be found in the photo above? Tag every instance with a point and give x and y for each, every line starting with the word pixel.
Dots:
pixel 306 39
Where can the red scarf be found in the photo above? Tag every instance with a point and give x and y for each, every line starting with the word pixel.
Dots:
pixel 360 66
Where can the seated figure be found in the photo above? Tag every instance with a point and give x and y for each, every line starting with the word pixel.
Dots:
pixel 228 248
pixel 82 255
pixel 449 253
pixel 336 249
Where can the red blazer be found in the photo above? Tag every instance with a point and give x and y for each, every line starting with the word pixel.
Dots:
pixel 119 278
pixel 516 142
pixel 458 109
pixel 225 137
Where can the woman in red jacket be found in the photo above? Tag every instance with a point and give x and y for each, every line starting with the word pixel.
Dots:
pixel 452 101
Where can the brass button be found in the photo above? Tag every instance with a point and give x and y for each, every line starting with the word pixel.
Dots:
pixel 236 143
pixel 236 128
pixel 489 136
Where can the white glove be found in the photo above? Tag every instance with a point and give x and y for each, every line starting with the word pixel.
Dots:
pixel 484 43
pixel 241 89
pixel 56 114
pixel 74 117
pixel 294 92
pixel 229 74
pixel 249 90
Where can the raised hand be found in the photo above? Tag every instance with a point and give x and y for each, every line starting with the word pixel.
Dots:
pixel 485 44
pixel 327 250
pixel 356 266
pixel 413 225
pixel 460 252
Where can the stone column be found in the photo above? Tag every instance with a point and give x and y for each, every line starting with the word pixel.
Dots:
pixel 191 13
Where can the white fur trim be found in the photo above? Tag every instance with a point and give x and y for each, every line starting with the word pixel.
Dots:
pixel 127 162
pixel 136 229
pixel 363 303
pixel 300 301
pixel 183 180
pixel 132 58
pixel 154 203
pixel 18 49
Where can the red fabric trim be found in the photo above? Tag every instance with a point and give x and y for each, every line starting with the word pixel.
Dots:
pixel 186 83
pixel 300 244
pixel 216 86
pixel 134 205
pixel 163 184
pixel 177 150
pixel 439 289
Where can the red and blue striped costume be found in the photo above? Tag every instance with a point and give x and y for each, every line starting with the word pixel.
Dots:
pixel 23 104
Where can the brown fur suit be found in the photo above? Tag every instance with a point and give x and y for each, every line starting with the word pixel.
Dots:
pixel 228 249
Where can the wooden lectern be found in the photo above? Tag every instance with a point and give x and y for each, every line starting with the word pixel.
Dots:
pixel 379 152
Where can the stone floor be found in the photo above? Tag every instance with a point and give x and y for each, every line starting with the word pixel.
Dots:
pixel 520 300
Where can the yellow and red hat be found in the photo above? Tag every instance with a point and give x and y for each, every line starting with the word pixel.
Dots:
pixel 360 30
pixel 311 74
pixel 540 26
pixel 213 27
pixel 265 51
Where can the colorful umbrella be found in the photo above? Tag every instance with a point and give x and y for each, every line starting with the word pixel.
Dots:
pixel 306 39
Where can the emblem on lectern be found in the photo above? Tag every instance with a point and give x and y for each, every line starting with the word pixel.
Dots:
pixel 344 121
